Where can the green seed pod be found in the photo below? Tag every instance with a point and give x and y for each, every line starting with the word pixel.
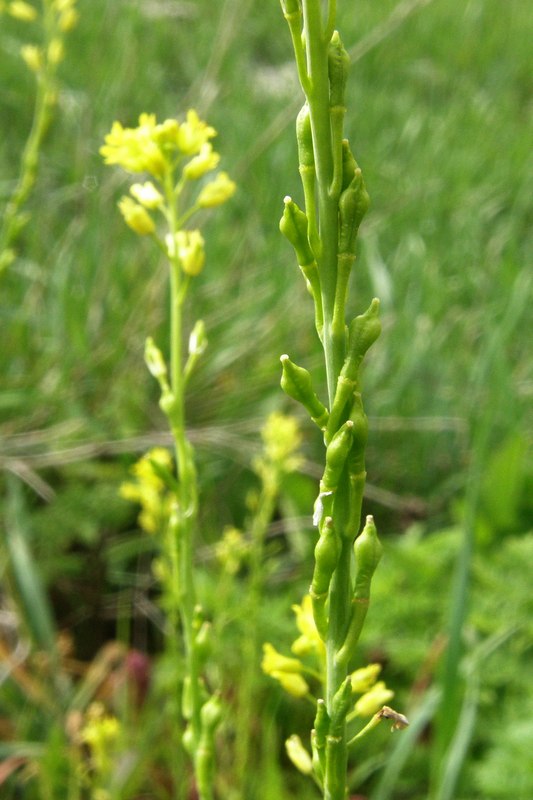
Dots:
pixel 211 715
pixel 338 65
pixel 336 455
pixel 368 550
pixel 304 138
pixel 294 226
pixel 188 740
pixel 364 330
pixel 186 699
pixel 360 427
pixel 318 739
pixel 290 7
pixel 327 552
pixel 203 642
pixel 296 383
pixel 353 205
pixel 349 165
pixel 340 706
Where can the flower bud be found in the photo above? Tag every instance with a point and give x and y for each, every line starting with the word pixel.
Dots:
pixel 22 11
pixel 147 195
pixel 204 162
pixel 373 700
pixel 190 251
pixel 299 755
pixel 32 57
pixel 364 678
pixel 198 339
pixel 154 360
pixel 217 191
pixel 136 217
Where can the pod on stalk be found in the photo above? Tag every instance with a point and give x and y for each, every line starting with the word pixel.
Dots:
pixel 296 383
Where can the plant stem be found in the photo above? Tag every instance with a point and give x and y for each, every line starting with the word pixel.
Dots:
pixel 318 99
pixel 339 591
pixel 183 524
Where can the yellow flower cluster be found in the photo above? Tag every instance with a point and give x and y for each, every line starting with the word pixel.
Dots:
pixel 149 490
pixel 232 550
pixel 63 18
pixel 289 671
pixel 161 149
pixel 101 732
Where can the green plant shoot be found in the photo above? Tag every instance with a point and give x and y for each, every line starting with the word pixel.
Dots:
pixel 53 20
pixel 177 156
pixel 324 237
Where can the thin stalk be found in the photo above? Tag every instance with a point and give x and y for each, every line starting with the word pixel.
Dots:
pixel 13 218
pixel 251 635
pixel 183 525
pixel 318 99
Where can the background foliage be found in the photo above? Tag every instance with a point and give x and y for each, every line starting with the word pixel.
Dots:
pixel 440 117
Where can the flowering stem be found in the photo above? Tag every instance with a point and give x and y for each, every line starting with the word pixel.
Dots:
pixel 45 69
pixel 326 235
pixel 184 520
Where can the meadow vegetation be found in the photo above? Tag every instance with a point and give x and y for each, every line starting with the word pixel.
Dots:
pixel 440 114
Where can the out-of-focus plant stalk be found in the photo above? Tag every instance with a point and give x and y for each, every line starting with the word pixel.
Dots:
pixel 55 19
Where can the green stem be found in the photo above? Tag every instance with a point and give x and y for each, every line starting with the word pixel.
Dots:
pixel 13 219
pixel 250 645
pixel 187 496
pixel 318 99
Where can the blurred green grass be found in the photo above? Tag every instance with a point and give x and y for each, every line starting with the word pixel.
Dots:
pixel 442 127
pixel 440 119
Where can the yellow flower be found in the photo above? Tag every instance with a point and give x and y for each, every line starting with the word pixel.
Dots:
pixel 136 217
pixel 101 733
pixel 21 10
pixel 309 641
pixel 232 550
pixel 282 438
pixel 276 662
pixel 285 670
pixel 149 490
pixel 217 191
pixel 56 51
pixel 299 755
pixel 205 161
pixel 147 195
pixel 68 19
pixel 363 679
pixel 373 700
pixel 135 149
pixel 190 251
pixel 33 57
pixel 193 134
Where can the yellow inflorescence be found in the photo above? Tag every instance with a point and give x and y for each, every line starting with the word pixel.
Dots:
pixel 164 150
pixel 149 490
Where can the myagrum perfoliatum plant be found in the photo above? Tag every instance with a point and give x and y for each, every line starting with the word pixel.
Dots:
pixel 177 156
pixel 324 237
